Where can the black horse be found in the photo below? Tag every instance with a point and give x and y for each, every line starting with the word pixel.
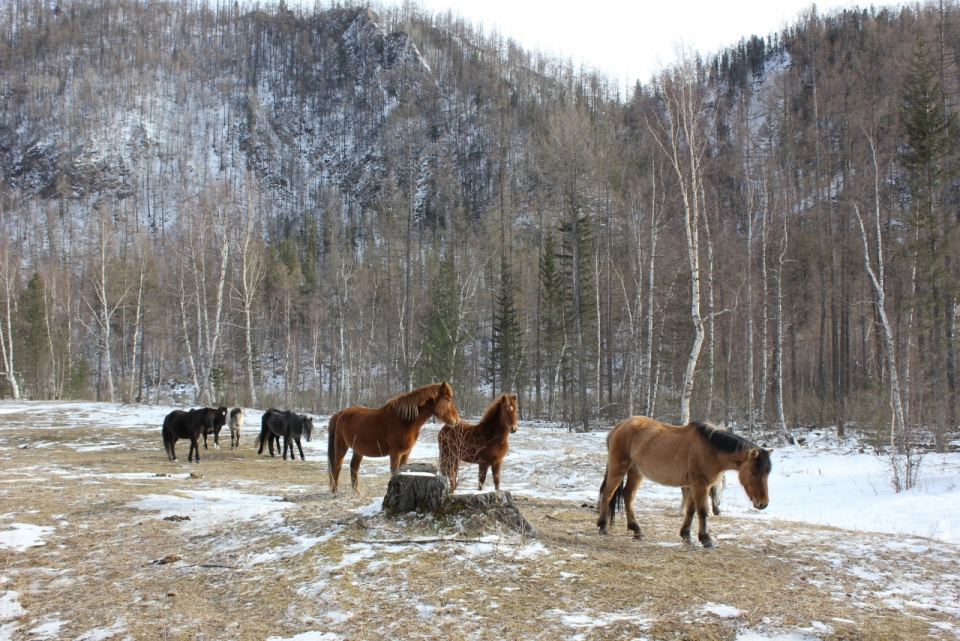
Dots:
pixel 219 420
pixel 289 425
pixel 189 424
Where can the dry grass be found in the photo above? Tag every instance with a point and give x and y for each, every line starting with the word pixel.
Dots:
pixel 97 567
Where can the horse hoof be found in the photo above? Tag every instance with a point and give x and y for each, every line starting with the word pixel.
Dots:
pixel 707 542
pixel 687 540
pixel 603 531
pixel 638 536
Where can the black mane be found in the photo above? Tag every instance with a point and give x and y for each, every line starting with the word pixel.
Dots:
pixel 729 442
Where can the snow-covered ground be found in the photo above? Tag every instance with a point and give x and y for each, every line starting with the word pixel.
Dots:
pixel 823 482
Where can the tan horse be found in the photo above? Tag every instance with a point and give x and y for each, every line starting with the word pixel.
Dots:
pixel 391 430
pixel 484 443
pixel 693 456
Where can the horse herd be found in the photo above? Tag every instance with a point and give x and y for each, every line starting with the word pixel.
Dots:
pixel 692 457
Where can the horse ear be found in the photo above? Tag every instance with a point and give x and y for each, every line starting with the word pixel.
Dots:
pixel 769 452
pixel 754 453
pixel 445 389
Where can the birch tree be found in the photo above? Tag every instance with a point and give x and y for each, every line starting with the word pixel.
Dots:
pixel 253 270
pixel 878 280
pixel 8 279
pixel 678 130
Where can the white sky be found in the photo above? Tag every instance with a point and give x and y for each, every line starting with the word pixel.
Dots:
pixel 628 40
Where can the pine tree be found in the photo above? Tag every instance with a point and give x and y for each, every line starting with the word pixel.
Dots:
pixel 551 318
pixel 442 330
pixel 506 349
pixel 931 133
pixel 33 336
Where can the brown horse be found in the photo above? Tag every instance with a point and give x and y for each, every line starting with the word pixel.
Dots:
pixel 484 443
pixel 693 456
pixel 390 430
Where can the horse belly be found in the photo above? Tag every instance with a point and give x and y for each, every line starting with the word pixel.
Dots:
pixel 663 470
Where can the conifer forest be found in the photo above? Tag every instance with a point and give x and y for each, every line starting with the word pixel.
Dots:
pixel 224 202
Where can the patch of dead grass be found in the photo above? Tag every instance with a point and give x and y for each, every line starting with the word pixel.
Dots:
pixel 97 567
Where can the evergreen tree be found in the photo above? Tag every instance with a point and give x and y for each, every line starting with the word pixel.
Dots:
pixel 442 330
pixel 32 335
pixel 506 349
pixel 551 318
pixel 931 133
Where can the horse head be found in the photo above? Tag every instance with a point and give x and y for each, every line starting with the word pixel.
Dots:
pixel 508 411
pixel 753 475
pixel 308 426
pixel 443 408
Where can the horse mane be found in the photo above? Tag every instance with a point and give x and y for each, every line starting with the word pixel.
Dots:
pixel 494 408
pixel 729 442
pixel 407 406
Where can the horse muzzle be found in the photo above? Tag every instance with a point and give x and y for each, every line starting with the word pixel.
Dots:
pixel 760 506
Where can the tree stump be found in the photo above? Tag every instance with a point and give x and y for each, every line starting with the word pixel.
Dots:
pixel 498 506
pixel 417 487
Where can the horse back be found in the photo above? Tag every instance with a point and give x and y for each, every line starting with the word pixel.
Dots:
pixel 375 431
pixel 664 453
pixel 473 443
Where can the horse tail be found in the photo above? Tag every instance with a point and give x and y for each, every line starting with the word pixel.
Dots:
pixel 616 500
pixel 331 440
pixel 167 440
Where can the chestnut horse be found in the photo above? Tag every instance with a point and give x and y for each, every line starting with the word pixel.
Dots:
pixel 484 443
pixel 693 456
pixel 390 430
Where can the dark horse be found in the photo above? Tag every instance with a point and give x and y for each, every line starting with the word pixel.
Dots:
pixel 219 420
pixel 189 424
pixel 484 443
pixel 390 430
pixel 291 426
pixel 693 456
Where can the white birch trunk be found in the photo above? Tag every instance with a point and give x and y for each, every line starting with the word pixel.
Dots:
pixel 8 277
pixel 877 279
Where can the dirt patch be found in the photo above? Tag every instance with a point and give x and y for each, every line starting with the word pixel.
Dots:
pixel 259 547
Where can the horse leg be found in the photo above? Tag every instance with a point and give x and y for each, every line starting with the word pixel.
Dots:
pixel 482 474
pixel 496 476
pixel 287 445
pixel 355 470
pixel 634 479
pixel 172 454
pixel 716 490
pixel 194 446
pixel 336 462
pixel 702 513
pixel 299 447
pixel 402 460
pixel 696 503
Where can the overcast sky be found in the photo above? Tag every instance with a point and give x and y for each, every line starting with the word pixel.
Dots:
pixel 628 39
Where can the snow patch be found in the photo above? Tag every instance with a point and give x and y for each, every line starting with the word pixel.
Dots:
pixel 20 536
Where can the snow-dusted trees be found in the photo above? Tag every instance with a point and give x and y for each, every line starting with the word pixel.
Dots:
pixel 277 193
pixel 201 247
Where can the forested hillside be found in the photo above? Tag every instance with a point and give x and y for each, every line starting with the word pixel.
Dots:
pixel 310 210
